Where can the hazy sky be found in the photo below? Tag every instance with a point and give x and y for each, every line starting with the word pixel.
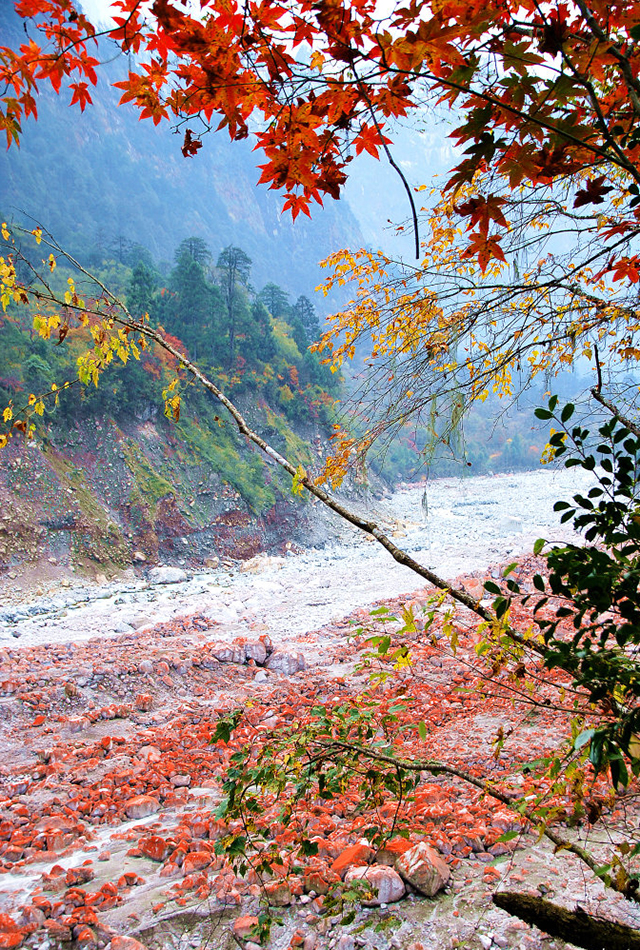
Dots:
pixel 96 10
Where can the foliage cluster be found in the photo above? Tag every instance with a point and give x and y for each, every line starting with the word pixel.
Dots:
pixel 210 313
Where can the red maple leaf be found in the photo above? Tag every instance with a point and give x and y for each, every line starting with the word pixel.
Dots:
pixel 190 145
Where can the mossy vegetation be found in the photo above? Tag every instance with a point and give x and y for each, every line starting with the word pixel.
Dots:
pixel 220 448
pixel 151 485
pixel 95 536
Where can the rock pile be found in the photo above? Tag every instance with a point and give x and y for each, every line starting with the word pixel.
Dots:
pixel 109 836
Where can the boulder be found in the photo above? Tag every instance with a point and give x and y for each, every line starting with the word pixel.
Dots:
pixel 424 869
pixel 180 781
pixel 196 861
pixel 167 575
pixel 386 883
pixel 243 927
pixel 126 943
pixel 155 847
pixel 228 653
pixel 281 661
pixel 255 650
pixel 392 850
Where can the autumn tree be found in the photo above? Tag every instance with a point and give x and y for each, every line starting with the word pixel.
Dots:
pixel 529 260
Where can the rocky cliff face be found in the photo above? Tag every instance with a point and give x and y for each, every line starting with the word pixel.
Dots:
pixel 106 496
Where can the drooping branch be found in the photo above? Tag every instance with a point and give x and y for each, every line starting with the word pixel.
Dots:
pixel 440 768
pixel 121 316
pixel 596 392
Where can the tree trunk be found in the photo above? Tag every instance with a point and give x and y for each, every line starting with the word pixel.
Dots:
pixel 576 927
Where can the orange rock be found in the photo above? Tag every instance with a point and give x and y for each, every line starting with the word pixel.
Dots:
pixel 195 861
pixel 424 869
pixel 320 880
pixel 392 850
pixel 243 926
pixel 8 924
pixel 126 943
pixel 354 856
pixel 9 941
pixel 84 937
pixel 278 893
pixel 154 847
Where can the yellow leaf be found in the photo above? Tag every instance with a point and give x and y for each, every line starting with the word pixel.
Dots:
pixel 297 488
pixel 5 231
pixel 37 233
pixel 7 414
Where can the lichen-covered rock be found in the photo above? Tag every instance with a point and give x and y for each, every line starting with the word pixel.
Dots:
pixel 355 855
pixel 424 869
pixel 141 807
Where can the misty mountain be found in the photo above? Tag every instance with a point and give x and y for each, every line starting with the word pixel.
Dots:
pixel 103 177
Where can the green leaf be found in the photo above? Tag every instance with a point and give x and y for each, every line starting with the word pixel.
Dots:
pixel 538 545
pixel 308 847
pixel 583 738
pixel 491 588
pixel 507 836
pixel 422 731
pixel 567 412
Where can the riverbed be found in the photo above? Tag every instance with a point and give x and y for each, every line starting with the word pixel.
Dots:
pixel 453 526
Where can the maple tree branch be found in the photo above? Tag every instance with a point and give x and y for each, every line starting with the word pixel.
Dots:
pixel 526 117
pixel 632 84
pixel 368 527
pixel 393 163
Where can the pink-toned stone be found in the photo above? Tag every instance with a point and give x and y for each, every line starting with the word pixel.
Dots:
pixel 141 807
pixel 126 943
pixel 281 661
pixel 180 781
pixel 386 883
pixel 424 869
pixel 196 861
pixel 392 850
pixel 228 653
pixel 255 650
pixel 278 893
pixel 154 847
pixel 243 926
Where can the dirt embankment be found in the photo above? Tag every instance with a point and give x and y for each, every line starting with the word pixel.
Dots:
pixel 107 498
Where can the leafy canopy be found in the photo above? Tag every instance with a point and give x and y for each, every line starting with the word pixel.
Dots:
pixel 543 91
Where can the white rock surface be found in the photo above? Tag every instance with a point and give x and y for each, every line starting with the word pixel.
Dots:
pixel 387 882
pixel 167 575
pixel 471 523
